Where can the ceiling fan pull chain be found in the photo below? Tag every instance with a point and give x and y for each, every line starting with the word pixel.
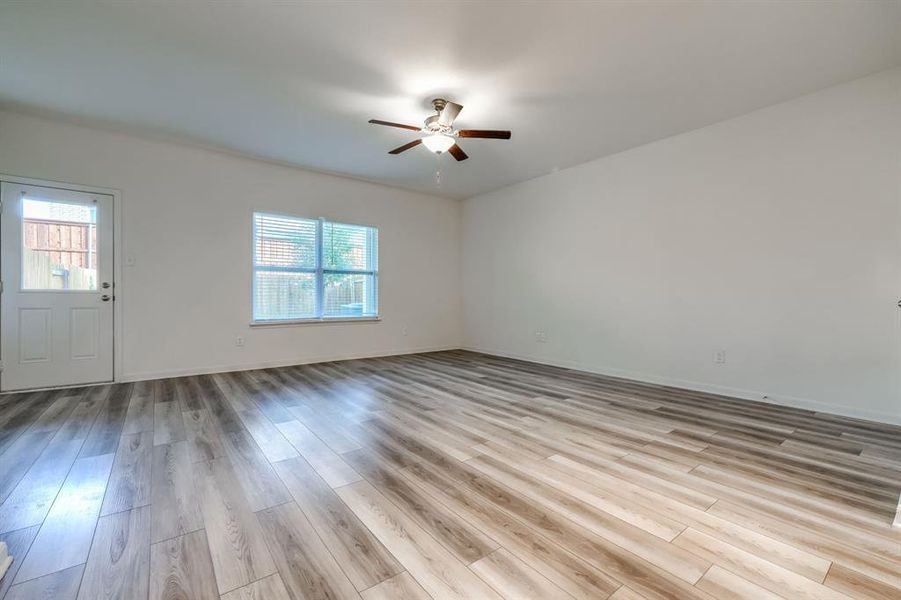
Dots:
pixel 438 170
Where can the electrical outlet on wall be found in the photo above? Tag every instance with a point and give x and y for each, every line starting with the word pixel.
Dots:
pixel 540 336
pixel 719 357
pixel 239 340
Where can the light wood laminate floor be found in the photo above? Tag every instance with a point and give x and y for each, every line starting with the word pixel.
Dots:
pixel 441 475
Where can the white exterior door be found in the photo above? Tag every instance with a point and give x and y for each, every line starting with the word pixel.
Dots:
pixel 56 314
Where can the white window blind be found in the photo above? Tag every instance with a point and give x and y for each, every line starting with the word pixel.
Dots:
pixel 313 269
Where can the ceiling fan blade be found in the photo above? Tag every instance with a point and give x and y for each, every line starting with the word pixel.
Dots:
pixel 450 112
pixel 406 147
pixel 390 124
pixel 494 134
pixel 457 152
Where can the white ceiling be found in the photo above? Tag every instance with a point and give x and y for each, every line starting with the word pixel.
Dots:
pixel 296 82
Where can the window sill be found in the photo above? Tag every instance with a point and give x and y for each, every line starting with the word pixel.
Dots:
pixel 325 321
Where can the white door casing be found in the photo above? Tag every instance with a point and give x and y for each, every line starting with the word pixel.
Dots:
pixel 56 319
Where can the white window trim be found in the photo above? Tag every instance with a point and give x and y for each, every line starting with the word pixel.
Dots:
pixel 319 273
pixel 315 321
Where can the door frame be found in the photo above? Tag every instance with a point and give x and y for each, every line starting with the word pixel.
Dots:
pixel 117 254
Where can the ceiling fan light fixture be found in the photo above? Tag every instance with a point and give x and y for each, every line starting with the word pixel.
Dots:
pixel 438 133
pixel 438 142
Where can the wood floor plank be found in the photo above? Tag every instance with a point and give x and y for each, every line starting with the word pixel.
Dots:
pixel 626 593
pixel 684 565
pixel 466 542
pixel 168 426
pixel 753 568
pixel 188 393
pixel 104 435
pixel 399 587
pixel 165 390
pixel 270 440
pixel 139 416
pixel 17 544
pixel 307 567
pixel 181 569
pixel 433 566
pixel 25 409
pixel 365 560
pixel 268 588
pixel 130 482
pixel 578 578
pixel 722 584
pixel 857 585
pixel 260 484
pixel 60 585
pixel 239 554
pixel 216 402
pixel 119 562
pixel 330 431
pixel 813 540
pixel 329 465
pixel 78 425
pixel 19 457
pixel 56 414
pixel 65 536
pixel 204 441
pixel 793 558
pixel 514 579
pixel 618 563
pixel 175 509
pixel 808 516
pixel 648 519
pixel 30 501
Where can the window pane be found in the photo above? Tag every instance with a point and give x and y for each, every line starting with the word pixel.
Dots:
pixel 349 247
pixel 284 241
pixel 349 296
pixel 281 295
pixel 59 246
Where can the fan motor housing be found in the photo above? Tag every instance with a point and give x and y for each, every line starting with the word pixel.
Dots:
pixel 432 124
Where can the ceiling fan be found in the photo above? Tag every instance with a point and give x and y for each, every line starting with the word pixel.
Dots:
pixel 439 133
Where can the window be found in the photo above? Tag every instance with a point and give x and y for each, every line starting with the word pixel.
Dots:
pixel 59 245
pixel 313 269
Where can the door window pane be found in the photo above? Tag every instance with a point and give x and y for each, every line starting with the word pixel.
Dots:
pixel 59 245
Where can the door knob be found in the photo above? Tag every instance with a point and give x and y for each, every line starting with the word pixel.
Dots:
pixel 105 297
pixel 105 285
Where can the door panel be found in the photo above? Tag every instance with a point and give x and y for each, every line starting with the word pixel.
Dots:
pixel 56 309
pixel 84 332
pixel 34 335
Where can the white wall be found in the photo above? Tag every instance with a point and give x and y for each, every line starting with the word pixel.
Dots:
pixel 775 236
pixel 187 214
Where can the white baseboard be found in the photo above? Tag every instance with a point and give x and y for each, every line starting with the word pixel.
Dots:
pixel 145 375
pixel 697 386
